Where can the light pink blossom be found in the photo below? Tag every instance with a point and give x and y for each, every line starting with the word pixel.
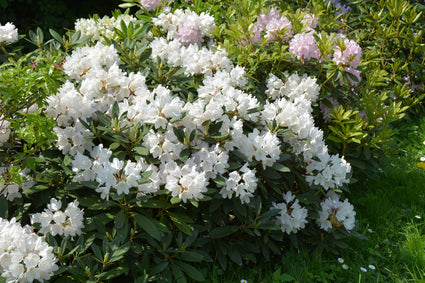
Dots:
pixel 189 33
pixel 150 5
pixel 350 55
pixel 303 45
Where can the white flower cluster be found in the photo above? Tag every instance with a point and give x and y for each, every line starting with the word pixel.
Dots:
pixel 292 216
pixel 292 109
pixel 24 256
pixel 56 222
pixel 336 213
pixel 103 27
pixel 102 83
pixel 8 33
pixel 330 170
pixel 11 190
pixel 195 59
pixel 4 130
pixel 113 174
pixel 243 186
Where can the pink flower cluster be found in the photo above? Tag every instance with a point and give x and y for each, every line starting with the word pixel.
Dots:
pixel 189 33
pixel 346 52
pixel 350 55
pixel 273 24
pixel 150 5
pixel 304 47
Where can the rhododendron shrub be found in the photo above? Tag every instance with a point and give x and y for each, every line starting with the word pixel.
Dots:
pixel 161 151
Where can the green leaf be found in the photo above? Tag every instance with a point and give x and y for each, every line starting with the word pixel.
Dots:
pixel 158 268
pixel 97 252
pixel 178 274
pixel 84 244
pixel 271 174
pixel 179 133
pixel 141 150
pixel 101 219
pixel 221 232
pixel 56 36
pixel 148 225
pixel 35 189
pixel 3 207
pixel 184 154
pixel 126 5
pixel 110 274
pixel 281 168
pixel 191 256
pixel 255 110
pixel 119 253
pixel 175 200
pixel 115 110
pixel 120 219
pixel 220 180
pixel 235 255
pixel 234 165
pixel 191 271
pixel 180 223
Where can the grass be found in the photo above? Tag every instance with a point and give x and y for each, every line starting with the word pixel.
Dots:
pixel 390 213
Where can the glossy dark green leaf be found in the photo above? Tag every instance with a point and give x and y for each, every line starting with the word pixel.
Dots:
pixel 148 225
pixel 221 232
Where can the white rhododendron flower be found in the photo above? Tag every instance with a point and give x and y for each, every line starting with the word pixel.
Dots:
pixel 241 183
pixel 292 216
pixel 8 33
pixel 90 59
pixel 103 27
pixel 24 256
pixel 56 222
pixel 335 213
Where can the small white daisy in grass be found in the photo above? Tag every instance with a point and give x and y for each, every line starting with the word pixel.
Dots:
pixel 370 230
pixel 423 142
pixel 345 266
pixel 422 158
pixel 363 269
pixel 418 216
pixel 244 281
pixel 371 267
pixel 340 260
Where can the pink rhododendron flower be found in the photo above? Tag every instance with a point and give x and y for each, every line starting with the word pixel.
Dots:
pixel 350 55
pixel 150 5
pixel 272 23
pixel 303 45
pixel 311 20
pixel 277 24
pixel 189 33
